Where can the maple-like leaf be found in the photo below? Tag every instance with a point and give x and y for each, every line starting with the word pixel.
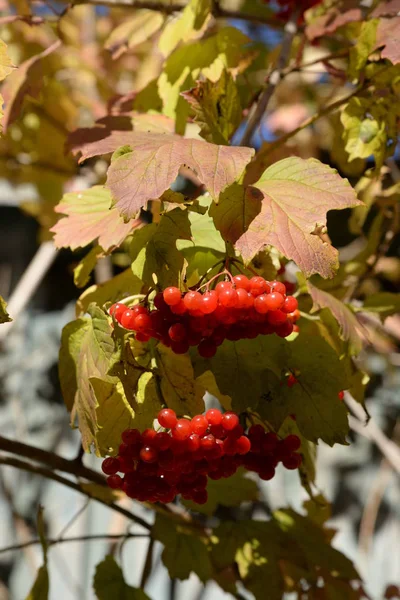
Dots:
pixel 388 35
pixel 26 80
pixel 89 218
pixel 151 162
pixel 287 209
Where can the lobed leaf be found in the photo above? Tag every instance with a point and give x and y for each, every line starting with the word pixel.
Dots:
pixel 388 36
pixel 90 218
pixel 109 583
pixel 189 24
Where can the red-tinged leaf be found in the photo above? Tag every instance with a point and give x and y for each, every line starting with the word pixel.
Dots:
pixel 109 133
pixel 297 194
pixel 350 329
pixel 26 80
pixel 388 35
pixel 341 13
pixel 89 218
pixel 152 162
pixel 391 8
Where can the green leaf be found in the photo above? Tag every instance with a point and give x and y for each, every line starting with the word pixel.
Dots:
pixel 226 492
pixel 134 31
pixel 185 551
pixel 154 249
pixel 87 350
pixel 4 316
pixel 363 134
pixel 119 287
pixel 350 329
pixel 189 24
pixel 206 381
pixel 227 49
pixel 40 589
pixel 366 44
pixel 90 218
pixel 272 213
pixel 383 303
pixel 217 108
pixel 84 268
pixel 199 261
pixel 109 583
pixel 177 383
pixel 203 231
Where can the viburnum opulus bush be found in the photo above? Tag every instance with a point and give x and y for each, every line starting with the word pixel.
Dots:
pixel 226 337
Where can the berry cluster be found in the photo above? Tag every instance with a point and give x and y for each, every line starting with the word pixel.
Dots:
pixel 178 459
pixel 235 309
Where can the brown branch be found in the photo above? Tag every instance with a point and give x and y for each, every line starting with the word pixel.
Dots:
pixel 273 80
pixel 168 9
pixel 79 538
pixel 36 470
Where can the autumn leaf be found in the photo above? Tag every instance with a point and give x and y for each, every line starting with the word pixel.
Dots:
pixel 90 218
pixel 133 31
pixel 388 35
pixel 339 14
pixel 187 25
pixel 350 329
pixel 26 80
pixel 4 316
pixel 287 209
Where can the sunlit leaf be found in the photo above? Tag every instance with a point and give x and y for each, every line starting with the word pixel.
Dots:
pixel 187 25
pixel 134 31
pixel 85 266
pixel 4 316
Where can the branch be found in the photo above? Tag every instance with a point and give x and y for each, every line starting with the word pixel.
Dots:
pixel 274 78
pixel 168 9
pixel 79 538
pixel 24 466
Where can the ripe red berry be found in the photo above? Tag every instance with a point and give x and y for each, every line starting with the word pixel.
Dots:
pixel 117 310
pixel 242 445
pixel 207 348
pixel 180 347
pixel 341 395
pixel 293 461
pixel 261 303
pixel 110 465
pixel 142 323
pixel 207 442
pixel 172 296
pixel 214 416
pixel 290 304
pixel 292 443
pixel 200 496
pixel 182 430
pixel 199 424
pixel 149 454
pixel 127 319
pixel 284 329
pixel 148 436
pixel 241 282
pixel 229 421
pixel 162 441
pixel 228 297
pixel 222 286
pixel 177 332
pixel 179 308
pixel 267 473
pixel 193 442
pixel 209 302
pixel 276 317
pixel 258 286
pixel 275 301
pixel 278 287
pixel 131 436
pixel 192 300
pixel 291 380
pixel 115 482
pixel 167 418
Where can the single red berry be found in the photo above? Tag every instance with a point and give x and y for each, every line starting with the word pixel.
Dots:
pixel 267 473
pixel 111 465
pixel 192 300
pixel 218 431
pixel 199 424
pixel 117 310
pixel 180 347
pixel 294 316
pixel 115 482
pixel 214 416
pixel 258 286
pixel 142 337
pixel 207 442
pixel 142 323
pixel 179 309
pixel 341 395
pixel 269 443
pixel 149 454
pixel 241 282
pixel 291 380
pixel 127 319
pixel 131 436
pixel 292 443
pixel 284 330
pixel 193 442
pixel 228 297
pixel 148 436
pixel 229 421
pixel 167 418
pixel 162 441
pixel 256 432
pixel 222 286
pixel 200 496
pixel 209 302
pixel 172 296
pixel 177 332
pixel 242 445
pixel 182 430
pixel 276 317
pixel 290 305
pixel 261 303
pixel 278 287
pixel 293 461
pixel 274 301
pixel 207 348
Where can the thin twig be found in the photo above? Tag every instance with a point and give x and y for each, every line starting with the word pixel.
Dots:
pixel 79 538
pixel 273 80
pixel 147 564
pixel 36 470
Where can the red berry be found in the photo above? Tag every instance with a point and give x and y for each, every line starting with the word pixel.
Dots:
pixel 200 496
pixel 291 380
pixel 222 286
pixel 172 296
pixel 293 461
pixel 142 323
pixel 276 317
pixel 131 436
pixel 292 443
pixel 285 329
pixel 341 395
pixel 209 302
pixel 178 309
pixel 242 445
pixel 115 482
pixel 207 442
pixel 274 301
pixel 117 310
pixel 149 454
pixel 214 416
pixel 258 286
pixel 228 297
pixel 162 441
pixel 167 418
pixel 199 424
pixel 148 436
pixel 177 332
pixel 261 303
pixel 127 319
pixel 180 347
pixel 193 442
pixel 269 443
pixel 294 316
pixel 278 287
pixel 111 465
pixel 290 304
pixel 267 473
pixel 182 430
pixel 207 348
pixel 142 337
pixel 192 300
pixel 241 282
pixel 229 421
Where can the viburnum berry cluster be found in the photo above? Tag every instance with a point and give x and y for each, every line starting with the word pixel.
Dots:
pixel 156 466
pixel 240 308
